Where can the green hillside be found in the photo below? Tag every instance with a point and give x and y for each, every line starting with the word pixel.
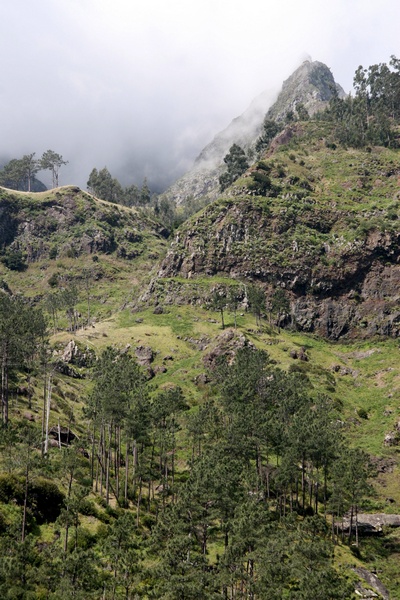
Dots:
pixel 213 415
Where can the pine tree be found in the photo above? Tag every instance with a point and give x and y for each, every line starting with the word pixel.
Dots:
pixel 236 163
pixel 52 161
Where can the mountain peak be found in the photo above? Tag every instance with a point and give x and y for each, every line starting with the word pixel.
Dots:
pixel 312 84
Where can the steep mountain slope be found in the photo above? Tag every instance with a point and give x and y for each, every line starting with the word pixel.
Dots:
pixel 311 84
pixel 243 237
pixel 326 231
pixel 67 222
pixel 195 484
pixel 65 237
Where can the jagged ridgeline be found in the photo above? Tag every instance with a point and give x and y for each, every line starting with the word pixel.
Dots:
pixel 316 215
pixel 311 85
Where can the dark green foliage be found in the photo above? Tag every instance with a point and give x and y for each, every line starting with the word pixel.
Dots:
pixel 264 454
pixel 362 413
pixel 44 498
pixel 53 252
pixel 22 328
pixel 237 164
pixel 14 260
pixel 53 280
pixel 270 129
pixel 296 563
pixel 256 300
pixel 302 112
pixel 10 487
pixel 19 174
pixel 3 523
pixel 165 211
pixel 104 186
pixel 371 115
pixel 261 183
pixel 228 494
pixel 280 304
pixel 289 117
pixel 145 193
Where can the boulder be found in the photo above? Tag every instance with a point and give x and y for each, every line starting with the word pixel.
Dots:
pixel 370 524
pixel 144 355
pixel 74 355
pixel 372 580
pixel 226 344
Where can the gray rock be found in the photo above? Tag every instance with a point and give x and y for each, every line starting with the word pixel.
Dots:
pixel 29 416
pixel 67 369
pixel 370 523
pixel 374 582
pixel 310 84
pixel 391 439
pixel 201 379
pixel 74 355
pixel 144 355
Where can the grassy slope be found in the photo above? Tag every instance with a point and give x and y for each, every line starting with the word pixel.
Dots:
pixel 368 376
pixel 373 384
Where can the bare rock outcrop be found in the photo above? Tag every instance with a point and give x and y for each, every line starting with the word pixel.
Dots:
pixel 75 355
pixel 311 84
pixel 369 524
pixel 144 355
pixel 335 288
pixel 226 344
pixel 372 580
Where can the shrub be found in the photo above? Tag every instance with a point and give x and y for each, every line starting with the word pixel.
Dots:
pixel 3 523
pixel 53 252
pixel 11 488
pixel 53 280
pixel 88 509
pixel 281 172
pixel 83 540
pixel 71 252
pixel 45 500
pixel 14 260
pixel 362 413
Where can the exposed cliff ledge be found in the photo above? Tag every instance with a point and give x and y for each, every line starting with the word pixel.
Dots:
pixel 329 235
pixel 335 289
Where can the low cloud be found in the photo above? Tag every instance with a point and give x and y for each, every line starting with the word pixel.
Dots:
pixel 141 89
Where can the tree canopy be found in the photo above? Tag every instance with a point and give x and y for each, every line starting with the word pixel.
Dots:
pixel 237 164
pixel 20 173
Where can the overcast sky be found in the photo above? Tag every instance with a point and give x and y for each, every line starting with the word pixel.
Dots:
pixel 142 86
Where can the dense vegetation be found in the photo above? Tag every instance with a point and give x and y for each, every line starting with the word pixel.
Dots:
pixel 371 116
pixel 193 506
pixel 170 454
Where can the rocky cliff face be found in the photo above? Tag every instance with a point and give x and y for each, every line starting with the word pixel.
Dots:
pixel 312 84
pixel 329 236
pixel 69 222
pixel 354 290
